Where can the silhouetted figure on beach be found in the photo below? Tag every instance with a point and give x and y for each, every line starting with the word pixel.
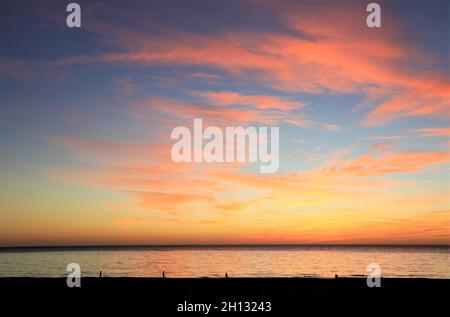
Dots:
pixel 336 276
pixel 226 275
pixel 164 274
pixel 100 274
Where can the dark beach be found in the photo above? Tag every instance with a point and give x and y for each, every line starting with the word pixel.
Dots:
pixel 285 294
pixel 206 287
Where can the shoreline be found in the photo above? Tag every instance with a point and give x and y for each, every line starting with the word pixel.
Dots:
pixel 8 248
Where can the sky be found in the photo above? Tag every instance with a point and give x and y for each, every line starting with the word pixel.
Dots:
pixel 86 115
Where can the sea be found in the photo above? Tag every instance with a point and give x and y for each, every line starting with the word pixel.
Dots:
pixel 322 261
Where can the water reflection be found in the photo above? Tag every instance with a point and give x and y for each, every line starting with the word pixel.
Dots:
pixel 289 261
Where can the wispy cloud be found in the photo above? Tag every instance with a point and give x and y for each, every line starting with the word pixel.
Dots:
pixel 432 132
pixel 383 137
pixel 230 98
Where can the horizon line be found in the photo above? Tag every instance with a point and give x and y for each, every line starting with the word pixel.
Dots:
pixel 87 246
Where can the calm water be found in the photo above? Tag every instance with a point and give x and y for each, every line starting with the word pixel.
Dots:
pixel 317 261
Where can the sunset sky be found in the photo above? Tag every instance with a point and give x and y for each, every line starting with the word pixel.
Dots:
pixel 86 116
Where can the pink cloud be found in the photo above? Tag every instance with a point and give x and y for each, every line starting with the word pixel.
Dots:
pixel 229 98
pixel 384 137
pixel 432 132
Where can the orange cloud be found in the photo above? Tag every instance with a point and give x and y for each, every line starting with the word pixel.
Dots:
pixel 432 132
pixel 228 98
pixel 168 201
pixel 386 162
pixel 384 137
